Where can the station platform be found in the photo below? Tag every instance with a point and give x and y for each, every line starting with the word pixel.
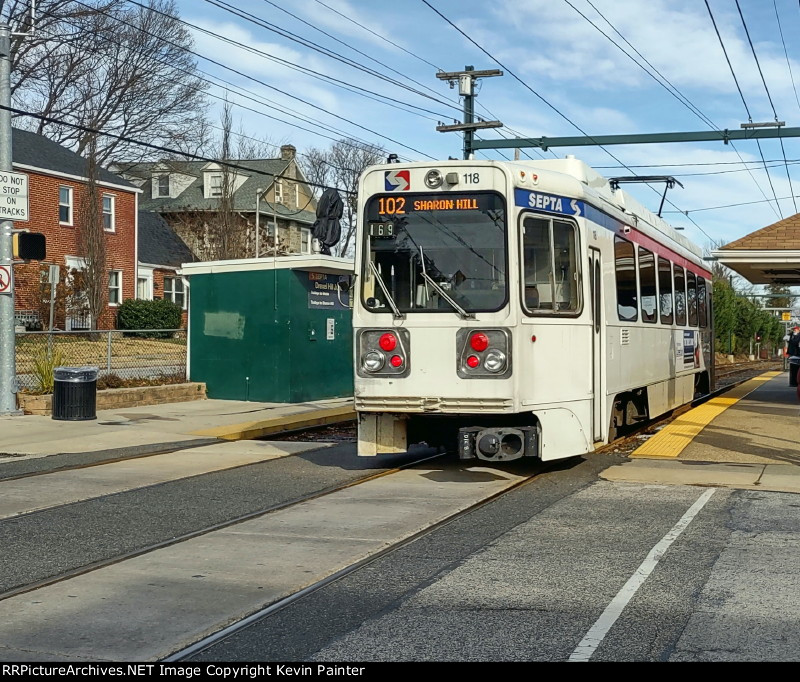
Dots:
pixel 133 431
pixel 747 437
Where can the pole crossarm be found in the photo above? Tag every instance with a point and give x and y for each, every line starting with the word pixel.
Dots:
pixel 725 136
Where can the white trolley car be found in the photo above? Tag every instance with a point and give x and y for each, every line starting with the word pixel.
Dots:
pixel 519 309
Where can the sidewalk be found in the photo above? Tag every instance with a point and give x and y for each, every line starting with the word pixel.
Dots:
pixel 160 428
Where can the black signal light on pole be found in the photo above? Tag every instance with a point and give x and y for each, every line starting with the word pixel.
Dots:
pixel 29 246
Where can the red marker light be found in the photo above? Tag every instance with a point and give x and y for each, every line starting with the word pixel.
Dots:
pixel 388 342
pixel 473 361
pixel 396 361
pixel 479 342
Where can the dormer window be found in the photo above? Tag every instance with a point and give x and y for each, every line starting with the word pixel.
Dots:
pixel 215 185
pixel 162 186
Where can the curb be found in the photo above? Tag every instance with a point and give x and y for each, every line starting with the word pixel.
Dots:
pixel 290 422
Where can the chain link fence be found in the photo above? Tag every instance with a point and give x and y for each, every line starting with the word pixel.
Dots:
pixel 124 358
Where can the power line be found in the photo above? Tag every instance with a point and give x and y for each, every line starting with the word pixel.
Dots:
pixel 227 87
pixel 166 150
pixel 272 87
pixel 382 37
pixel 424 61
pixel 329 53
pixel 341 42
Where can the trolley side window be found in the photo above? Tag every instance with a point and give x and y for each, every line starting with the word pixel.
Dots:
pixel 549 263
pixel 665 290
pixel 691 297
pixel 647 285
pixel 702 305
pixel 625 265
pixel 680 296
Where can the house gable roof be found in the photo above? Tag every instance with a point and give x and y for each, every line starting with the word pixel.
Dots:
pixel 31 149
pixel 259 174
pixel 158 243
pixel 781 236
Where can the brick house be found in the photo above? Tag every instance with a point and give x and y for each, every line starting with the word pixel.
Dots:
pixel 189 196
pixel 161 254
pixel 57 188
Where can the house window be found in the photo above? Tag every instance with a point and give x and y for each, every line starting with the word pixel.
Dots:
pixel 162 186
pixel 115 287
pixel 279 192
pixel 65 205
pixel 142 288
pixel 305 240
pixel 109 224
pixel 215 185
pixel 297 195
pixel 174 291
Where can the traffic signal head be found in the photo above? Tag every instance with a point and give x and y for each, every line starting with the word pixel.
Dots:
pixel 29 246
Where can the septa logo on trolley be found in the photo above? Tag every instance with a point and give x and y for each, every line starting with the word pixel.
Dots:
pixel 549 202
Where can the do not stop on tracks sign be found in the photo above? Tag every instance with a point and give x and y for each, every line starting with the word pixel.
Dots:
pixel 13 196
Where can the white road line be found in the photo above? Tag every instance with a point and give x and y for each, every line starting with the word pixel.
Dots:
pixel 593 638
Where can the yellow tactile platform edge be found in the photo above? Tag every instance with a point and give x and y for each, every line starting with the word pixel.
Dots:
pixel 673 438
pixel 287 422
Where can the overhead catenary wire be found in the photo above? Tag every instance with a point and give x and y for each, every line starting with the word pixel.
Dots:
pixel 769 96
pixel 664 82
pixel 550 105
pixel 744 102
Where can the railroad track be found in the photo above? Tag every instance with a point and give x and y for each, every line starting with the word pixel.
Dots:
pixel 526 476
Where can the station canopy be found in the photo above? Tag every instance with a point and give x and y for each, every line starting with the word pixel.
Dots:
pixel 770 255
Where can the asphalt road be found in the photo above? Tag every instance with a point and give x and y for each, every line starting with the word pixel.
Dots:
pixel 535 573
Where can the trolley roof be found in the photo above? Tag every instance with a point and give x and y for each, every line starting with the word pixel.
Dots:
pixel 572 177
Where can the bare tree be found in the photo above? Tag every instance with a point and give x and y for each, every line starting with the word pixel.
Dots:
pixel 226 232
pixel 92 242
pixel 341 167
pixel 111 66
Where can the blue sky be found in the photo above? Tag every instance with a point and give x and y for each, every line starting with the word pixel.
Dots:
pixel 563 76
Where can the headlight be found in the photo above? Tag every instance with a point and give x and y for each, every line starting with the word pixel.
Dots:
pixel 495 361
pixel 373 361
pixel 433 179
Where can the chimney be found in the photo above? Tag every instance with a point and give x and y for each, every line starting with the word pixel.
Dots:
pixel 287 152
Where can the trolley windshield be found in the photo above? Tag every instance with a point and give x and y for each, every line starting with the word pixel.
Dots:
pixel 423 249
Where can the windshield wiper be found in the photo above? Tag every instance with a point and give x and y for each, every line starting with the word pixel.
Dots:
pixel 395 310
pixel 463 314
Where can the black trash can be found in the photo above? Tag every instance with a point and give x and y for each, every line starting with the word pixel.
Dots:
pixel 794 365
pixel 75 393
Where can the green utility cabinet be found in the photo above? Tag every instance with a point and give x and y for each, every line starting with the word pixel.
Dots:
pixel 271 329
